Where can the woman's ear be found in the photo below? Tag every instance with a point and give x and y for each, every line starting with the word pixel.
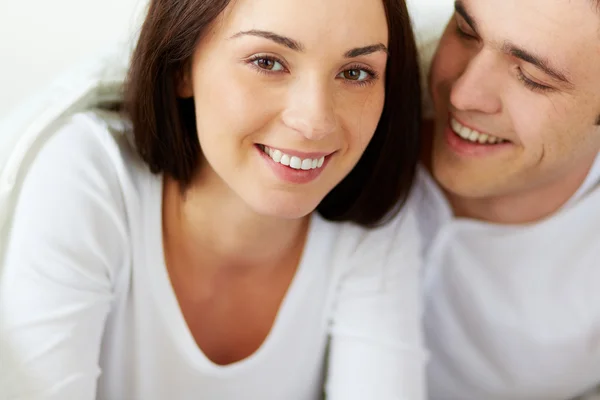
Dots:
pixel 183 82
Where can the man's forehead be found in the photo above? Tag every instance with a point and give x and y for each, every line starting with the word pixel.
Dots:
pixel 562 33
pixel 562 8
pixel 564 21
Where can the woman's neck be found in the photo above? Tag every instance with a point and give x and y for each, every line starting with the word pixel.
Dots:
pixel 210 225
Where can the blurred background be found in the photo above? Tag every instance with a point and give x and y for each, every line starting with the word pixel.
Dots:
pixel 40 39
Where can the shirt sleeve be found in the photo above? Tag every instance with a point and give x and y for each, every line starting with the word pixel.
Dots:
pixel 68 240
pixel 376 349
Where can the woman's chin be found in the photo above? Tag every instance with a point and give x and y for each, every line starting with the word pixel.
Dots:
pixel 285 208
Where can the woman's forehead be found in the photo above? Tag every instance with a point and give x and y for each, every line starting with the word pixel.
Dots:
pixel 310 21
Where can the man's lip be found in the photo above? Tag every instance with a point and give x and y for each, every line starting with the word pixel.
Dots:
pixel 300 154
pixel 460 121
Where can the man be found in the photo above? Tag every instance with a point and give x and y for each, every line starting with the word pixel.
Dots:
pixel 512 273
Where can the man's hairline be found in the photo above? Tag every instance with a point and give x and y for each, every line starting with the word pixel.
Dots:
pixel 596 4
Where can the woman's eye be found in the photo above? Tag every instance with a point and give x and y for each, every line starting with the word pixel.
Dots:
pixel 268 64
pixel 355 75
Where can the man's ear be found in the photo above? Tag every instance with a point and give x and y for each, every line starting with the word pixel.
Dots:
pixel 183 82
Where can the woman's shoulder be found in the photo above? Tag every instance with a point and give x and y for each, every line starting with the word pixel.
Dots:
pixel 90 145
pixel 94 138
pixel 72 200
pixel 87 163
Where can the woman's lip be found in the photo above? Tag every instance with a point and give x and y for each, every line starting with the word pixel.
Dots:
pixel 292 175
pixel 299 154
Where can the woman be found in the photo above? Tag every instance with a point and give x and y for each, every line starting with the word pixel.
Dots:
pixel 189 262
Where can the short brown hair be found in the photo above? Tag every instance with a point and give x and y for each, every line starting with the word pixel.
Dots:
pixel 165 126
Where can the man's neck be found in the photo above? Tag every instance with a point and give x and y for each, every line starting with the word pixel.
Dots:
pixel 522 207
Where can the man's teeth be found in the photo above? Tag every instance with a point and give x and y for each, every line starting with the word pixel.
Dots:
pixel 293 161
pixel 473 135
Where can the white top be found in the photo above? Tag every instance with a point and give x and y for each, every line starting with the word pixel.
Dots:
pixel 87 310
pixel 513 312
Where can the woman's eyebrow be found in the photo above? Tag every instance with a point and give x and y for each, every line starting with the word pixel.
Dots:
pixel 297 46
pixel 279 39
pixel 365 50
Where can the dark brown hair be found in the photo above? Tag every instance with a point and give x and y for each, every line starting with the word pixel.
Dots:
pixel 165 126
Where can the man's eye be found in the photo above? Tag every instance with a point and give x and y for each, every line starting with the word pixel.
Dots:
pixel 530 84
pixel 460 32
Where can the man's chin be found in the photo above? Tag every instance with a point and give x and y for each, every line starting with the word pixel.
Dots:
pixel 471 180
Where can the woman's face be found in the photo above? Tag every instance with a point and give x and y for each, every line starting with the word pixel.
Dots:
pixel 288 93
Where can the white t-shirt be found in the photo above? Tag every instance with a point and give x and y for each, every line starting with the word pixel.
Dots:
pixel 87 310
pixel 512 312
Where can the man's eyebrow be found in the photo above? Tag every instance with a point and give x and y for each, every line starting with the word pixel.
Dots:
pixel 279 39
pixel 461 10
pixel 363 51
pixel 539 62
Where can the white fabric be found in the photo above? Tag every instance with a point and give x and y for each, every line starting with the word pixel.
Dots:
pixel 513 312
pixel 86 308
pixel 85 86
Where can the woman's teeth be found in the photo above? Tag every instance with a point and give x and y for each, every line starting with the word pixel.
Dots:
pixel 293 161
pixel 472 135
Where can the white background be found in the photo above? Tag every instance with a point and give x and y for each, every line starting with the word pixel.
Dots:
pixel 39 39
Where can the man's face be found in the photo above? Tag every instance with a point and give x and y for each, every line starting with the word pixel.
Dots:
pixel 516 89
